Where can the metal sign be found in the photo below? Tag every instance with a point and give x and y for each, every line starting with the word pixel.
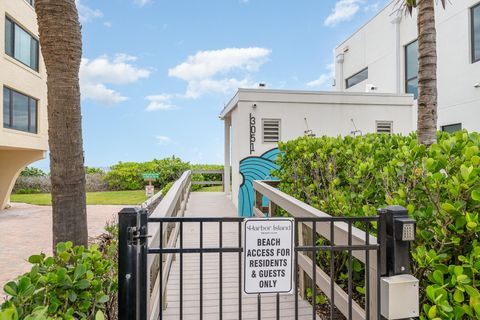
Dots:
pixel 268 255
pixel 149 190
pixel 150 176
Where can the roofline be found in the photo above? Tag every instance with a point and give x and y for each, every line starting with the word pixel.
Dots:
pixel 365 24
pixel 236 98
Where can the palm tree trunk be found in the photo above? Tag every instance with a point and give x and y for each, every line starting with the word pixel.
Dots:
pixel 61 44
pixel 427 73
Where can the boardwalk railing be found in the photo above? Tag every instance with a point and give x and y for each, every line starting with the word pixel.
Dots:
pixel 172 205
pixel 209 172
pixel 339 233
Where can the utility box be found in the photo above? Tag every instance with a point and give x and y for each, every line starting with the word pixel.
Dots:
pixel 399 297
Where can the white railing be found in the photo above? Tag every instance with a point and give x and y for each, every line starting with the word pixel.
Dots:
pixel 209 183
pixel 297 208
pixel 172 205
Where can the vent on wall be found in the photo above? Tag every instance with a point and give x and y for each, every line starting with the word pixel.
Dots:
pixel 384 127
pixel 271 130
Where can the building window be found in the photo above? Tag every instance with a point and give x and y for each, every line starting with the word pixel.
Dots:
pixel 411 68
pixel 19 111
pixel 271 130
pixel 476 33
pixel 384 127
pixel 20 44
pixel 357 78
pixel 450 128
pixel 31 2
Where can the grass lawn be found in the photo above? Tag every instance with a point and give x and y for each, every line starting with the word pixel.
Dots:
pixel 211 189
pixel 100 198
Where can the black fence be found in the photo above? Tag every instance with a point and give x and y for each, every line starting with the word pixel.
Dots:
pixel 134 290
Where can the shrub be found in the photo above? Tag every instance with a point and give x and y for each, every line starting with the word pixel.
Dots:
pixel 78 283
pixel 41 184
pixel 440 187
pixel 96 182
pixel 32 172
pixel 92 170
pixel 128 175
pixel 28 191
pixel 166 188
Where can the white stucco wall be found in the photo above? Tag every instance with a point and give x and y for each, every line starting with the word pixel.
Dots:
pixel 328 113
pixel 374 46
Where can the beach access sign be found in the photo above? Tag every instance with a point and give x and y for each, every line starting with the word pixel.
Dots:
pixel 150 176
pixel 268 255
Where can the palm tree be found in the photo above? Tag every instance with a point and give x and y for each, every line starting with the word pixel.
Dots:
pixel 427 68
pixel 61 44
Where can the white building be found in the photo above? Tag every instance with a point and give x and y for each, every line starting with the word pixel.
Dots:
pixel 382 56
pixel 23 92
pixel 257 119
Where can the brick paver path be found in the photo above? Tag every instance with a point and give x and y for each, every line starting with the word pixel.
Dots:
pixel 27 229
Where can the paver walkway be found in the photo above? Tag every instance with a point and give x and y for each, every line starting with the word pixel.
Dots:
pixel 27 229
pixel 218 205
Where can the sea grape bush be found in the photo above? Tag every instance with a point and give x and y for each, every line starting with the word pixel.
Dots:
pixel 77 283
pixel 128 175
pixel 439 185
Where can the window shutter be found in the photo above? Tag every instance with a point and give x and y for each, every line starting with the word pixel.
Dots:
pixel 384 127
pixel 271 130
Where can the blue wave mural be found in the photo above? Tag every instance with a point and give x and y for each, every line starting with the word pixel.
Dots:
pixel 254 168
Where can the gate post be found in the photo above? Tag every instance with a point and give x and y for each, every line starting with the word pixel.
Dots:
pixel 142 273
pixel 127 264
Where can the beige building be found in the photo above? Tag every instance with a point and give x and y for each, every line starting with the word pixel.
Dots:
pixel 23 92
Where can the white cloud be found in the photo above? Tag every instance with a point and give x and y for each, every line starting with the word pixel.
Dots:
pixel 372 7
pixel 163 140
pixel 101 94
pixel 107 24
pixel 318 82
pixel 159 102
pixel 197 88
pixel 141 3
pixel 344 10
pixel 118 70
pixel 86 14
pixel 205 64
pixel 324 77
pixel 96 73
pixel 202 69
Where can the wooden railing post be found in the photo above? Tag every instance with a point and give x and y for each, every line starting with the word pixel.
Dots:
pixel 304 239
pixel 272 209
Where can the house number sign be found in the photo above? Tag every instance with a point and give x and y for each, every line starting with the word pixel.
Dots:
pixel 253 130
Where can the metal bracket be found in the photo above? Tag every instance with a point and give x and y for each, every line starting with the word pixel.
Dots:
pixel 136 233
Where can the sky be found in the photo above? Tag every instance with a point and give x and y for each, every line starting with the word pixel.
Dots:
pixel 155 74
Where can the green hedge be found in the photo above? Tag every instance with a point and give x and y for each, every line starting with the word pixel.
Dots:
pixel 440 187
pixel 128 175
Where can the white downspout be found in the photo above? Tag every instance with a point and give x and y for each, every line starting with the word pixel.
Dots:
pixel 340 83
pixel 226 168
pixel 398 74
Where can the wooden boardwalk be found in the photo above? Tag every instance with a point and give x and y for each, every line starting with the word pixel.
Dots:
pixel 218 205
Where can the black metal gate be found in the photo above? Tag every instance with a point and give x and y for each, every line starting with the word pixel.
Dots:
pixel 135 292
